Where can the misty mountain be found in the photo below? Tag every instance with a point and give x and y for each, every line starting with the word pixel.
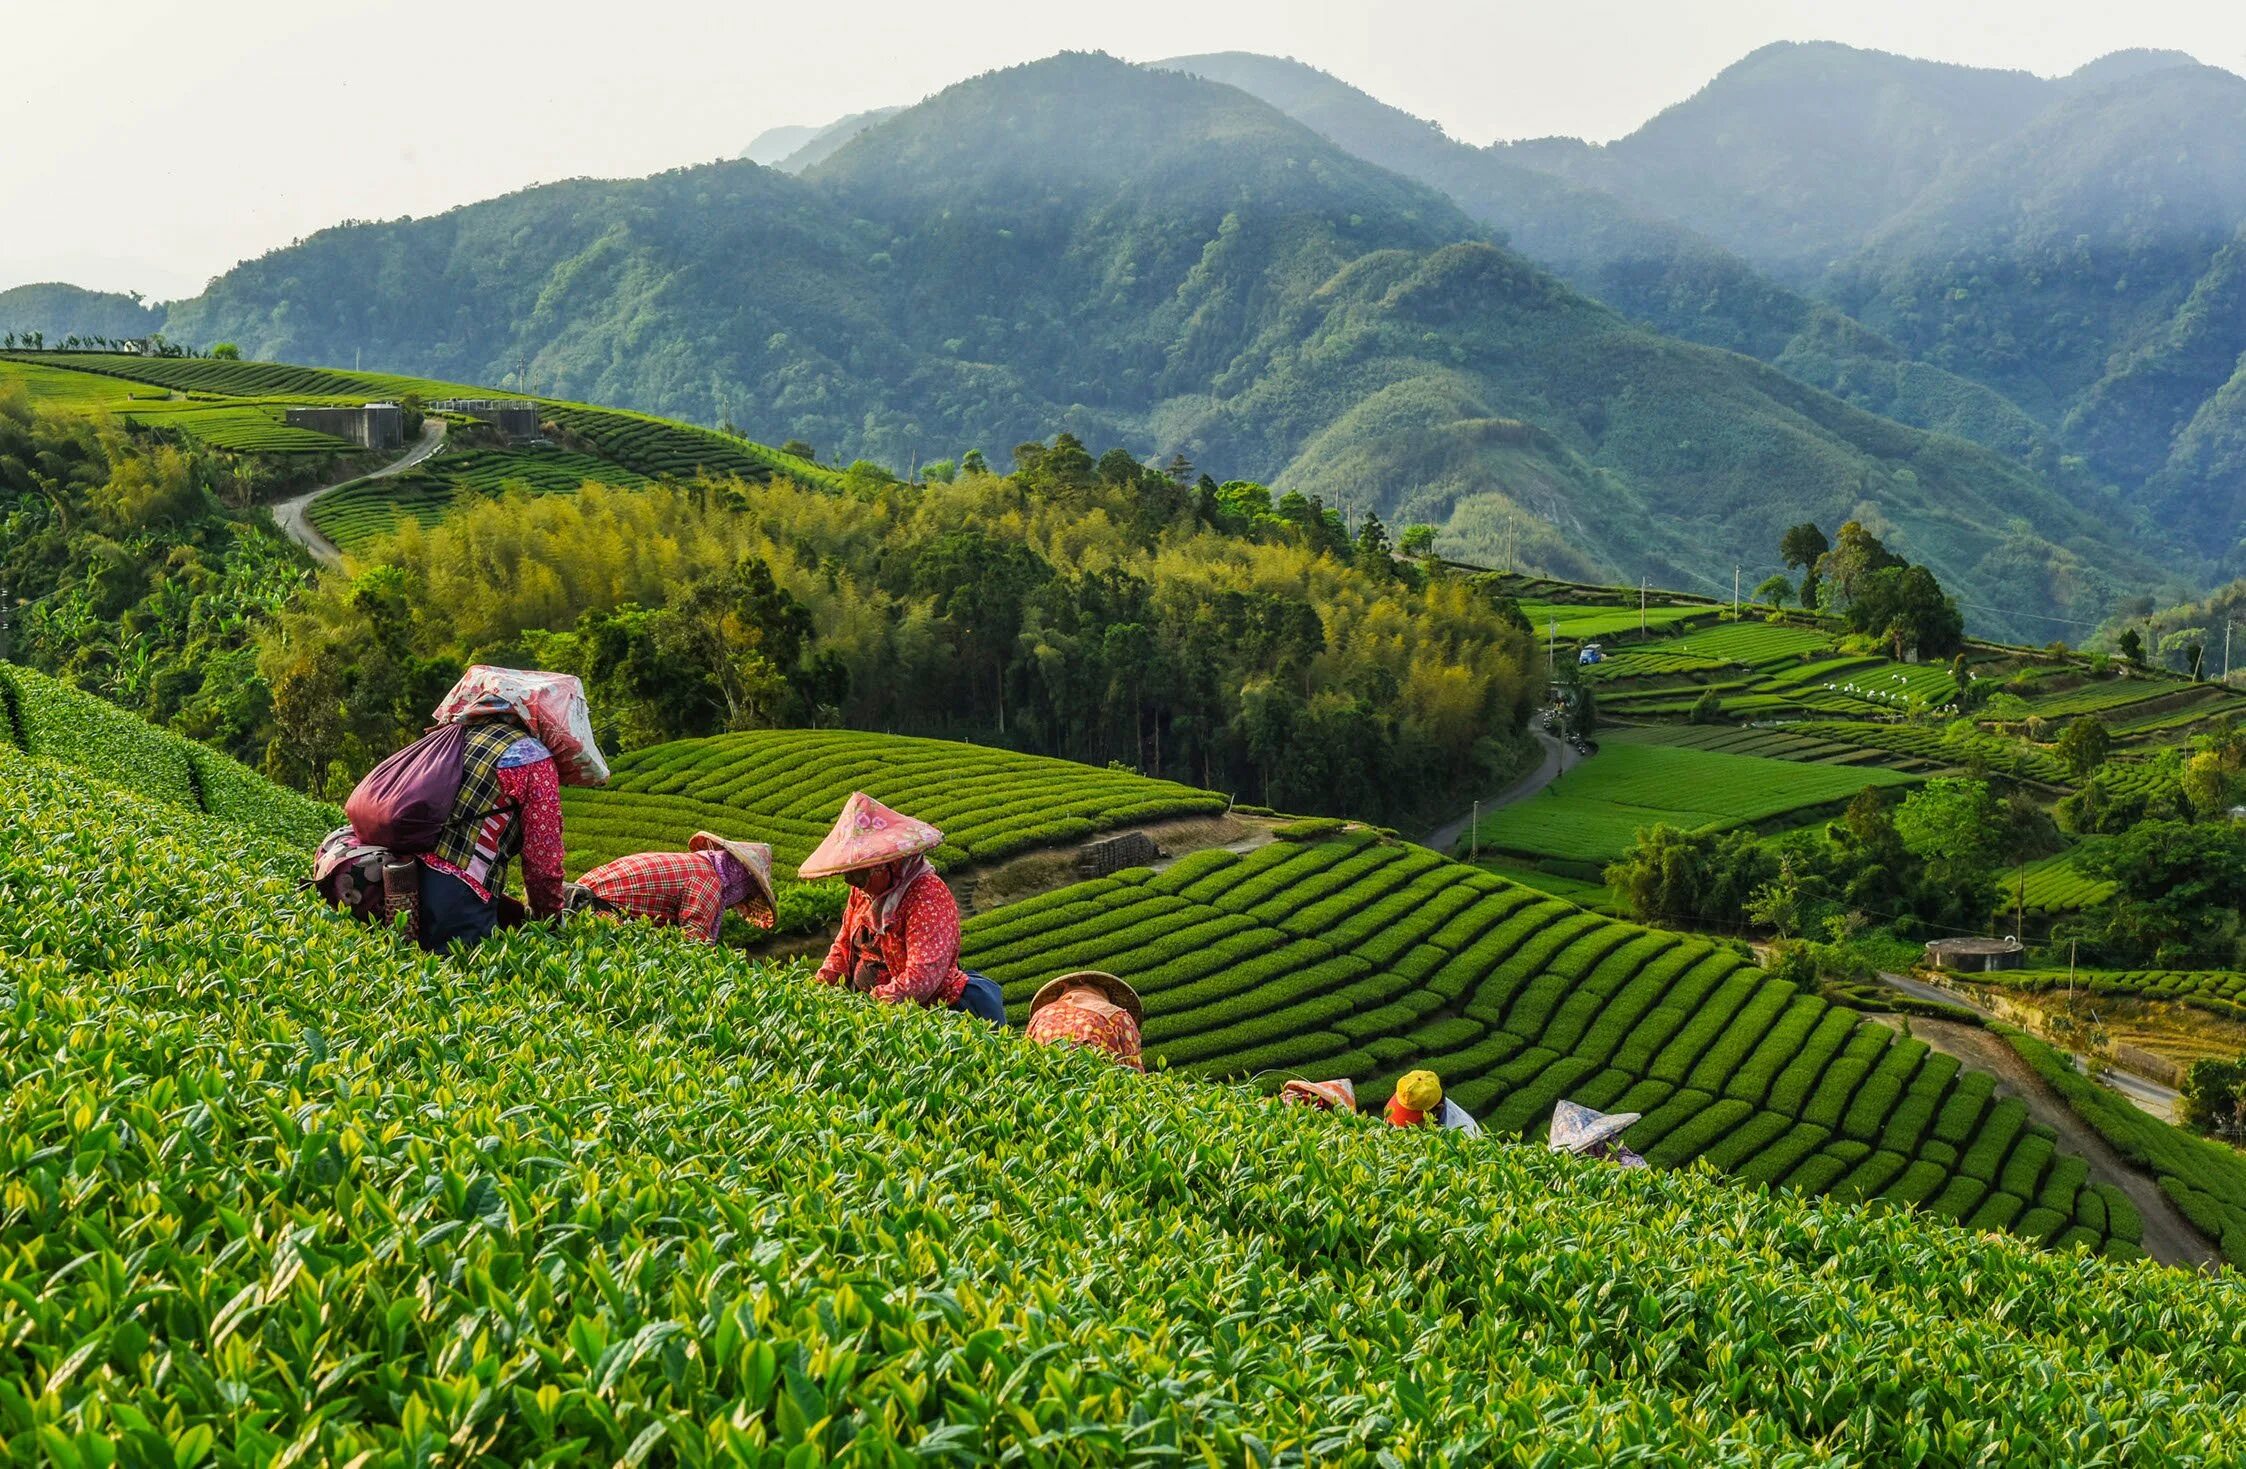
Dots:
pixel 794 149
pixel 1653 270
pixel 774 144
pixel 1796 154
pixel 1152 259
pixel 60 311
pixel 2070 244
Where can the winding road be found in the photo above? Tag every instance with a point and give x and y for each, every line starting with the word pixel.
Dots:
pixel 1559 757
pixel 295 523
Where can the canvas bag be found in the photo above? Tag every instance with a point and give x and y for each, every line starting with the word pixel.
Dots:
pixel 550 705
pixel 405 803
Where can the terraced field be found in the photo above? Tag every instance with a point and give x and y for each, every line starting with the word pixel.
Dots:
pixel 1593 812
pixel 654 447
pixel 1577 623
pixel 1936 746
pixel 1751 644
pixel 2217 991
pixel 1777 742
pixel 1364 958
pixel 2098 695
pixel 786 787
pixel 60 387
pixel 364 512
pixel 248 428
pixel 283 1190
pixel 2050 887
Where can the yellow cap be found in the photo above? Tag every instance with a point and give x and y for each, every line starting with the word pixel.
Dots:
pixel 1422 1091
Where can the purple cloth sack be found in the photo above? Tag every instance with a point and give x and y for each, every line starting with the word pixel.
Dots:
pixel 405 802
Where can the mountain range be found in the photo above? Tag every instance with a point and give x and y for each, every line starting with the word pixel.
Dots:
pixel 1994 315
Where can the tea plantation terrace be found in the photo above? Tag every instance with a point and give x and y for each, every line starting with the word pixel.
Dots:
pixel 1339 953
pixel 1346 955
pixel 280 1186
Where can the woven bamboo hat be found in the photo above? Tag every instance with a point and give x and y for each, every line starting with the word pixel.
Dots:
pixel 1338 1095
pixel 1119 994
pixel 757 858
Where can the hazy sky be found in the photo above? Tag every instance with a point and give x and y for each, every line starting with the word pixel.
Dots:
pixel 148 145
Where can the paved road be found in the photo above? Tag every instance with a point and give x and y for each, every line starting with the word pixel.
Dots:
pixel 290 514
pixel 2148 1095
pixel 1558 757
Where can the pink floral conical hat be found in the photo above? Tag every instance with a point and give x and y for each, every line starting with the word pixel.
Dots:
pixel 867 834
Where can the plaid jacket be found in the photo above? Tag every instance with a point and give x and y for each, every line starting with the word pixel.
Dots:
pixel 469 844
pixel 681 888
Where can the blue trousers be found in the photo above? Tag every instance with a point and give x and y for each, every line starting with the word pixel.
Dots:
pixel 982 999
pixel 450 910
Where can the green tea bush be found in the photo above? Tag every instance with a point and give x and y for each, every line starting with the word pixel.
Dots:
pixel 82 729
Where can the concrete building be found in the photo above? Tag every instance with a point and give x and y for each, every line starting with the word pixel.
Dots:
pixel 517 418
pixel 371 426
pixel 1972 956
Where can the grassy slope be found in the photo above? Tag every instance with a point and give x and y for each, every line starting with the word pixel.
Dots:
pixel 1593 812
pixel 513 1205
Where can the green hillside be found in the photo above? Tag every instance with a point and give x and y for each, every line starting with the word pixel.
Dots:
pixel 54 721
pixel 1350 956
pixel 1635 784
pixel 286 1184
pixel 59 311
pixel 1199 273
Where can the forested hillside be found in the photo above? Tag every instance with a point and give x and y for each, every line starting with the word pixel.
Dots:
pixel 1197 273
pixel 56 312
pixel 1654 270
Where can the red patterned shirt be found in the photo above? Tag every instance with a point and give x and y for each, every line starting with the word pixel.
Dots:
pixel 534 786
pixel 681 888
pixel 919 948
pixel 1114 1031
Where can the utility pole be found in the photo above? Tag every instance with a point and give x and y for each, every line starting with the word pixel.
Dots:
pixel 1641 606
pixel 2226 649
pixel 1735 591
pixel 1476 830
pixel 1552 647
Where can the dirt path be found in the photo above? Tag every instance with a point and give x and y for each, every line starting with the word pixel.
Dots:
pixel 2148 1095
pixel 2169 1238
pixel 292 516
pixel 1558 758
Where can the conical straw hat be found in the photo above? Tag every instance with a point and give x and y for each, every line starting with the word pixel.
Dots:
pixel 1118 994
pixel 1336 1095
pixel 1576 1127
pixel 757 858
pixel 867 834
